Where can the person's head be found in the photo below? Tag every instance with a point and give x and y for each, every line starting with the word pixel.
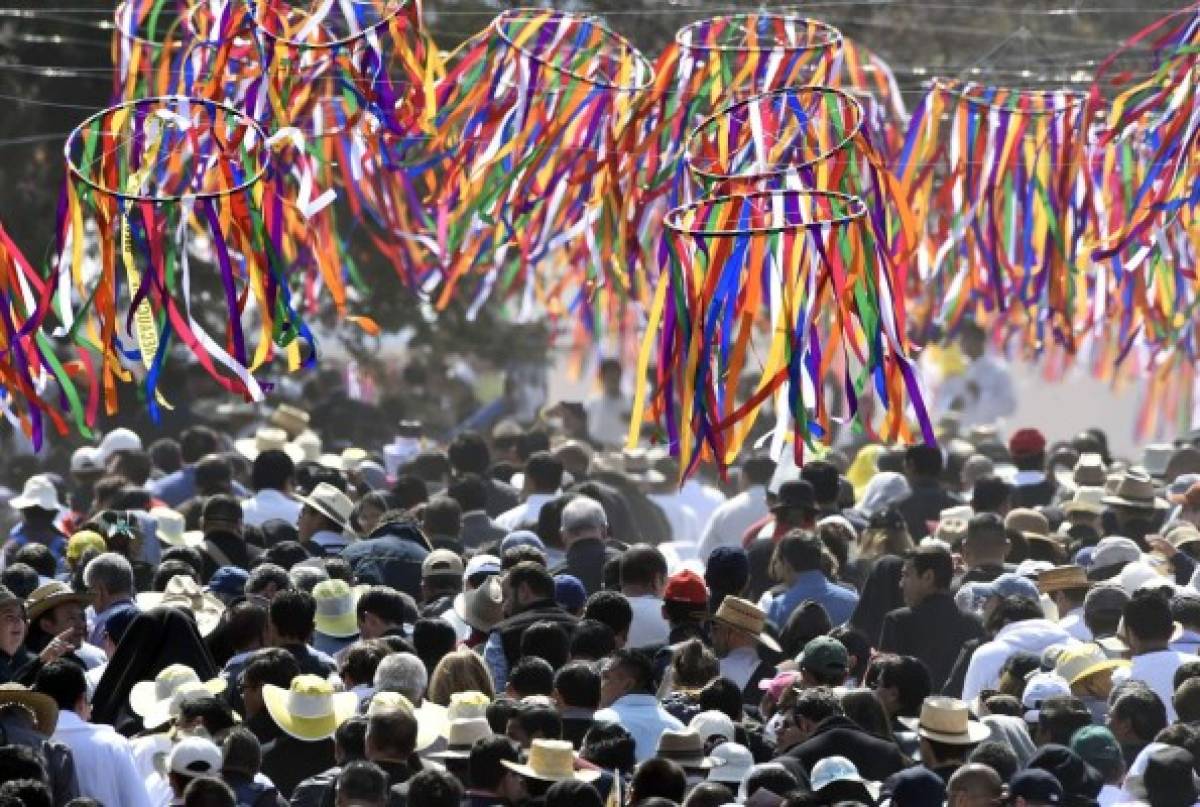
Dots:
pixel 205 791
pixel 902 684
pixel 547 640
pixel 292 617
pixel 525 584
pixel 757 471
pixel 109 579
pixel 432 639
pixel 824 662
pixel 468 454
pixel 609 746
pixel 37 557
pixel 241 753
pixel 693 665
pixel 986 542
pixel 459 671
pixel 613 609
pixel 361 661
pixel 922 462
pixel 381 609
pixel 626 672
pixel 643 571
pixel 1146 621
pixel 813 706
pixel 709 794
pixel 999 756
pixel 1097 746
pixel 64 682
pixel 927 571
pixel 530 676
pixel 488 773
pixel 572 793
pixel 798 551
pixel 368 512
pixel 391 735
pixel 1059 718
pixel 222 515
pixel 13 626
pixel 532 722
pixel 361 784
pixel 864 708
pixel 271 665
pixel 577 685
pixel 658 778
pixel 21 579
pixel 214 475
pixel 273 470
pixel 246 625
pixel 591 640
pixel 435 788
pixel 1136 715
pixel 198 442
pixel 991 494
pixel 442 517
pixel 403 673
pixel 582 519
pixel 204 710
pixel 266 580
pixel 825 481
pixel 974 785
pixel 543 473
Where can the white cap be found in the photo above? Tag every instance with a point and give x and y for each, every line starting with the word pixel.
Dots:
pixel 713 722
pixel 731 763
pixel 86 459
pixel 1113 551
pixel 1136 575
pixel 1038 689
pixel 118 440
pixel 195 756
pixel 482 564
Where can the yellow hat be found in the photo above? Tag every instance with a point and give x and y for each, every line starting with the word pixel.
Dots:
pixel 82 541
pixel 336 608
pixel 309 710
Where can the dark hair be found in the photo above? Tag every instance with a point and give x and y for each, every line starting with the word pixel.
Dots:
pixel 658 777
pixel 1143 710
pixel 987 528
pixel 499 712
pixel 362 659
pixel 534 576
pixel 470 491
pixel 264 575
pixel 925 460
pixel 214 474
pixel 774 776
pixel 1186 670
pixel 485 762
pixel 636 664
pixel 385 602
pixel 609 746
pixel 63 681
pixel 272 470
pixel 350 738
pixel 28 792
pixel 709 794
pixel 1060 717
pixel 539 721
pixel 393 731
pixel 806 622
pixel 1147 616
pixel 910 677
pixel 38 557
pixel 572 793
pixel 592 640
pixel 293 613
pixel 642 565
pixel 758 469
pixel 824 478
pixel 442 516
pixel 990 494
pixel 435 789
pixel 531 676
pixel 816 704
pixel 1187 700
pixel 242 752
pixel 857 645
pixel 408 491
pixel 998 756
pixel 21 579
pixel 214 711
pixel 468 453
pixel 612 608
pixel 1005 705
pixel 933 559
pixel 136 467
pixel 801 550
pixel 197 442
pixel 722 695
pixel 1185 609
pixel 693 665
pixel 578 685
pixel 433 639
pixel 166 455
pixel 185 554
pixel 172 568
pixel 543 472
pixel 524 553
pixel 285 554
pixel 245 623
pixel 1015 609
pixel 271 665
pixel 363 781
pixel 21 762
pixel 547 640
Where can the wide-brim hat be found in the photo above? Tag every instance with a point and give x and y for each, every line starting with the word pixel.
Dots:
pixel 1136 491
pixel 432 719
pixel 947 720
pixel 1088 500
pixel 170 528
pixel 482 608
pixel 268 439
pixel 157 701
pixel 309 709
pixel 337 605
pixel 1061 578
pixel 461 736
pixel 684 747
pixel 330 502
pixel 43 707
pixel 292 419
pixel 38 492
pixel 746 617
pixel 52 595
pixel 551 761
pixel 184 593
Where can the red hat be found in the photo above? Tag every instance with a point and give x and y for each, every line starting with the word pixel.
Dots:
pixel 686 586
pixel 1026 443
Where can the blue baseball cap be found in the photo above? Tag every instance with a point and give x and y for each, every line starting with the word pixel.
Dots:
pixel 569 592
pixel 1010 585
pixel 1036 786
pixel 521 538
pixel 228 580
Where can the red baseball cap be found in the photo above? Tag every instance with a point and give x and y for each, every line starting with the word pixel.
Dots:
pixel 1026 443
pixel 686 586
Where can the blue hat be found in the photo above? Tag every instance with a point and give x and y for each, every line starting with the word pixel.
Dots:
pixel 569 592
pixel 228 580
pixel 1037 786
pixel 119 620
pixel 521 538
pixel 1011 585
pixel 728 569
pixel 917 787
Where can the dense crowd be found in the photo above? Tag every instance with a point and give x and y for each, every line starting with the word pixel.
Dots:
pixel 524 615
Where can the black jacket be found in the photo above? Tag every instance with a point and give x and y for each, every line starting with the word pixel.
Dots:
pixel 586 560
pixel 287 761
pixel 478 530
pixel 1038 495
pixel 923 505
pixel 934 631
pixel 513 628
pixel 875 758
pixel 501 497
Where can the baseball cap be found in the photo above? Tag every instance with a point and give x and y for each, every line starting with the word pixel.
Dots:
pixel 86 459
pixel 1026 443
pixel 727 569
pixel 917 787
pixel 1011 585
pixel 1036 786
pixel 482 564
pixel 1111 555
pixel 781 683
pixel 195 756
pixel 1097 746
pixel 442 563
pixel 713 723
pixel 116 441
pixel 569 592
pixel 521 538
pixel 824 654
pixel 1039 688
pixel 228 580
pixel 688 587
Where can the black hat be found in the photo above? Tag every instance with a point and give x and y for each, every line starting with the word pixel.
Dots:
pixel 1078 779
pixel 795 494
pixel 1170 778
pixel 1036 786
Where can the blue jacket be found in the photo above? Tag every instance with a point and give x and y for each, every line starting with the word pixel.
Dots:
pixel 392 556
pixel 838 602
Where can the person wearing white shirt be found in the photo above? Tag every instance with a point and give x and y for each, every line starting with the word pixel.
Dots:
pixel 627 697
pixel 272 481
pixel 729 521
pixel 643 578
pixel 543 477
pixel 984 392
pixel 1147 626
pixel 1067 587
pixel 103 759
pixel 608 413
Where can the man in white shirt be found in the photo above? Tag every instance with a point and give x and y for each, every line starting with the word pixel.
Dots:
pixel 608 414
pixel 984 392
pixel 271 478
pixel 627 697
pixel 734 517
pixel 103 759
pixel 1146 627
pixel 543 478
pixel 643 578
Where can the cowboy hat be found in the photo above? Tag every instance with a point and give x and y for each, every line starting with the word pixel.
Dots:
pixel 157 701
pixel 43 707
pixel 1061 578
pixel 1030 523
pixel 1089 500
pixel 1136 490
pixel 292 419
pixel 52 595
pixel 463 734
pixel 336 612
pixel 38 492
pixel 745 617
pixel 684 747
pixel 268 439
pixel 471 703
pixel 1081 661
pixel 551 761
pixel 947 720
pixel 330 502
pixel 309 709
pixel 481 608
pixel 169 526
pixel 184 593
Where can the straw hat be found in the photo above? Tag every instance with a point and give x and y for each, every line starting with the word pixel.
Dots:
pixel 1089 500
pixel 1089 471
pixel 481 608
pixel 307 448
pixel 292 419
pixel 52 595
pixel 1081 661
pixel 947 720
pixel 462 735
pixel 330 502
pixel 1061 578
pixel 42 707
pixel 464 705
pixel 267 439
pixel 336 608
pixel 551 761
pixel 746 617
pixel 38 492
pixel 1030 523
pixel 1182 534
pixel 1136 490
pixel 157 701
pixel 170 527
pixel 432 719
pixel 309 709
pixel 684 747
pixel 184 593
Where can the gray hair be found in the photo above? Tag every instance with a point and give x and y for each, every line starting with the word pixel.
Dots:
pixel 583 513
pixel 403 673
pixel 306 576
pixel 111 571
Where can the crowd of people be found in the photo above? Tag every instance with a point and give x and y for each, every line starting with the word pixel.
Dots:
pixel 526 616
